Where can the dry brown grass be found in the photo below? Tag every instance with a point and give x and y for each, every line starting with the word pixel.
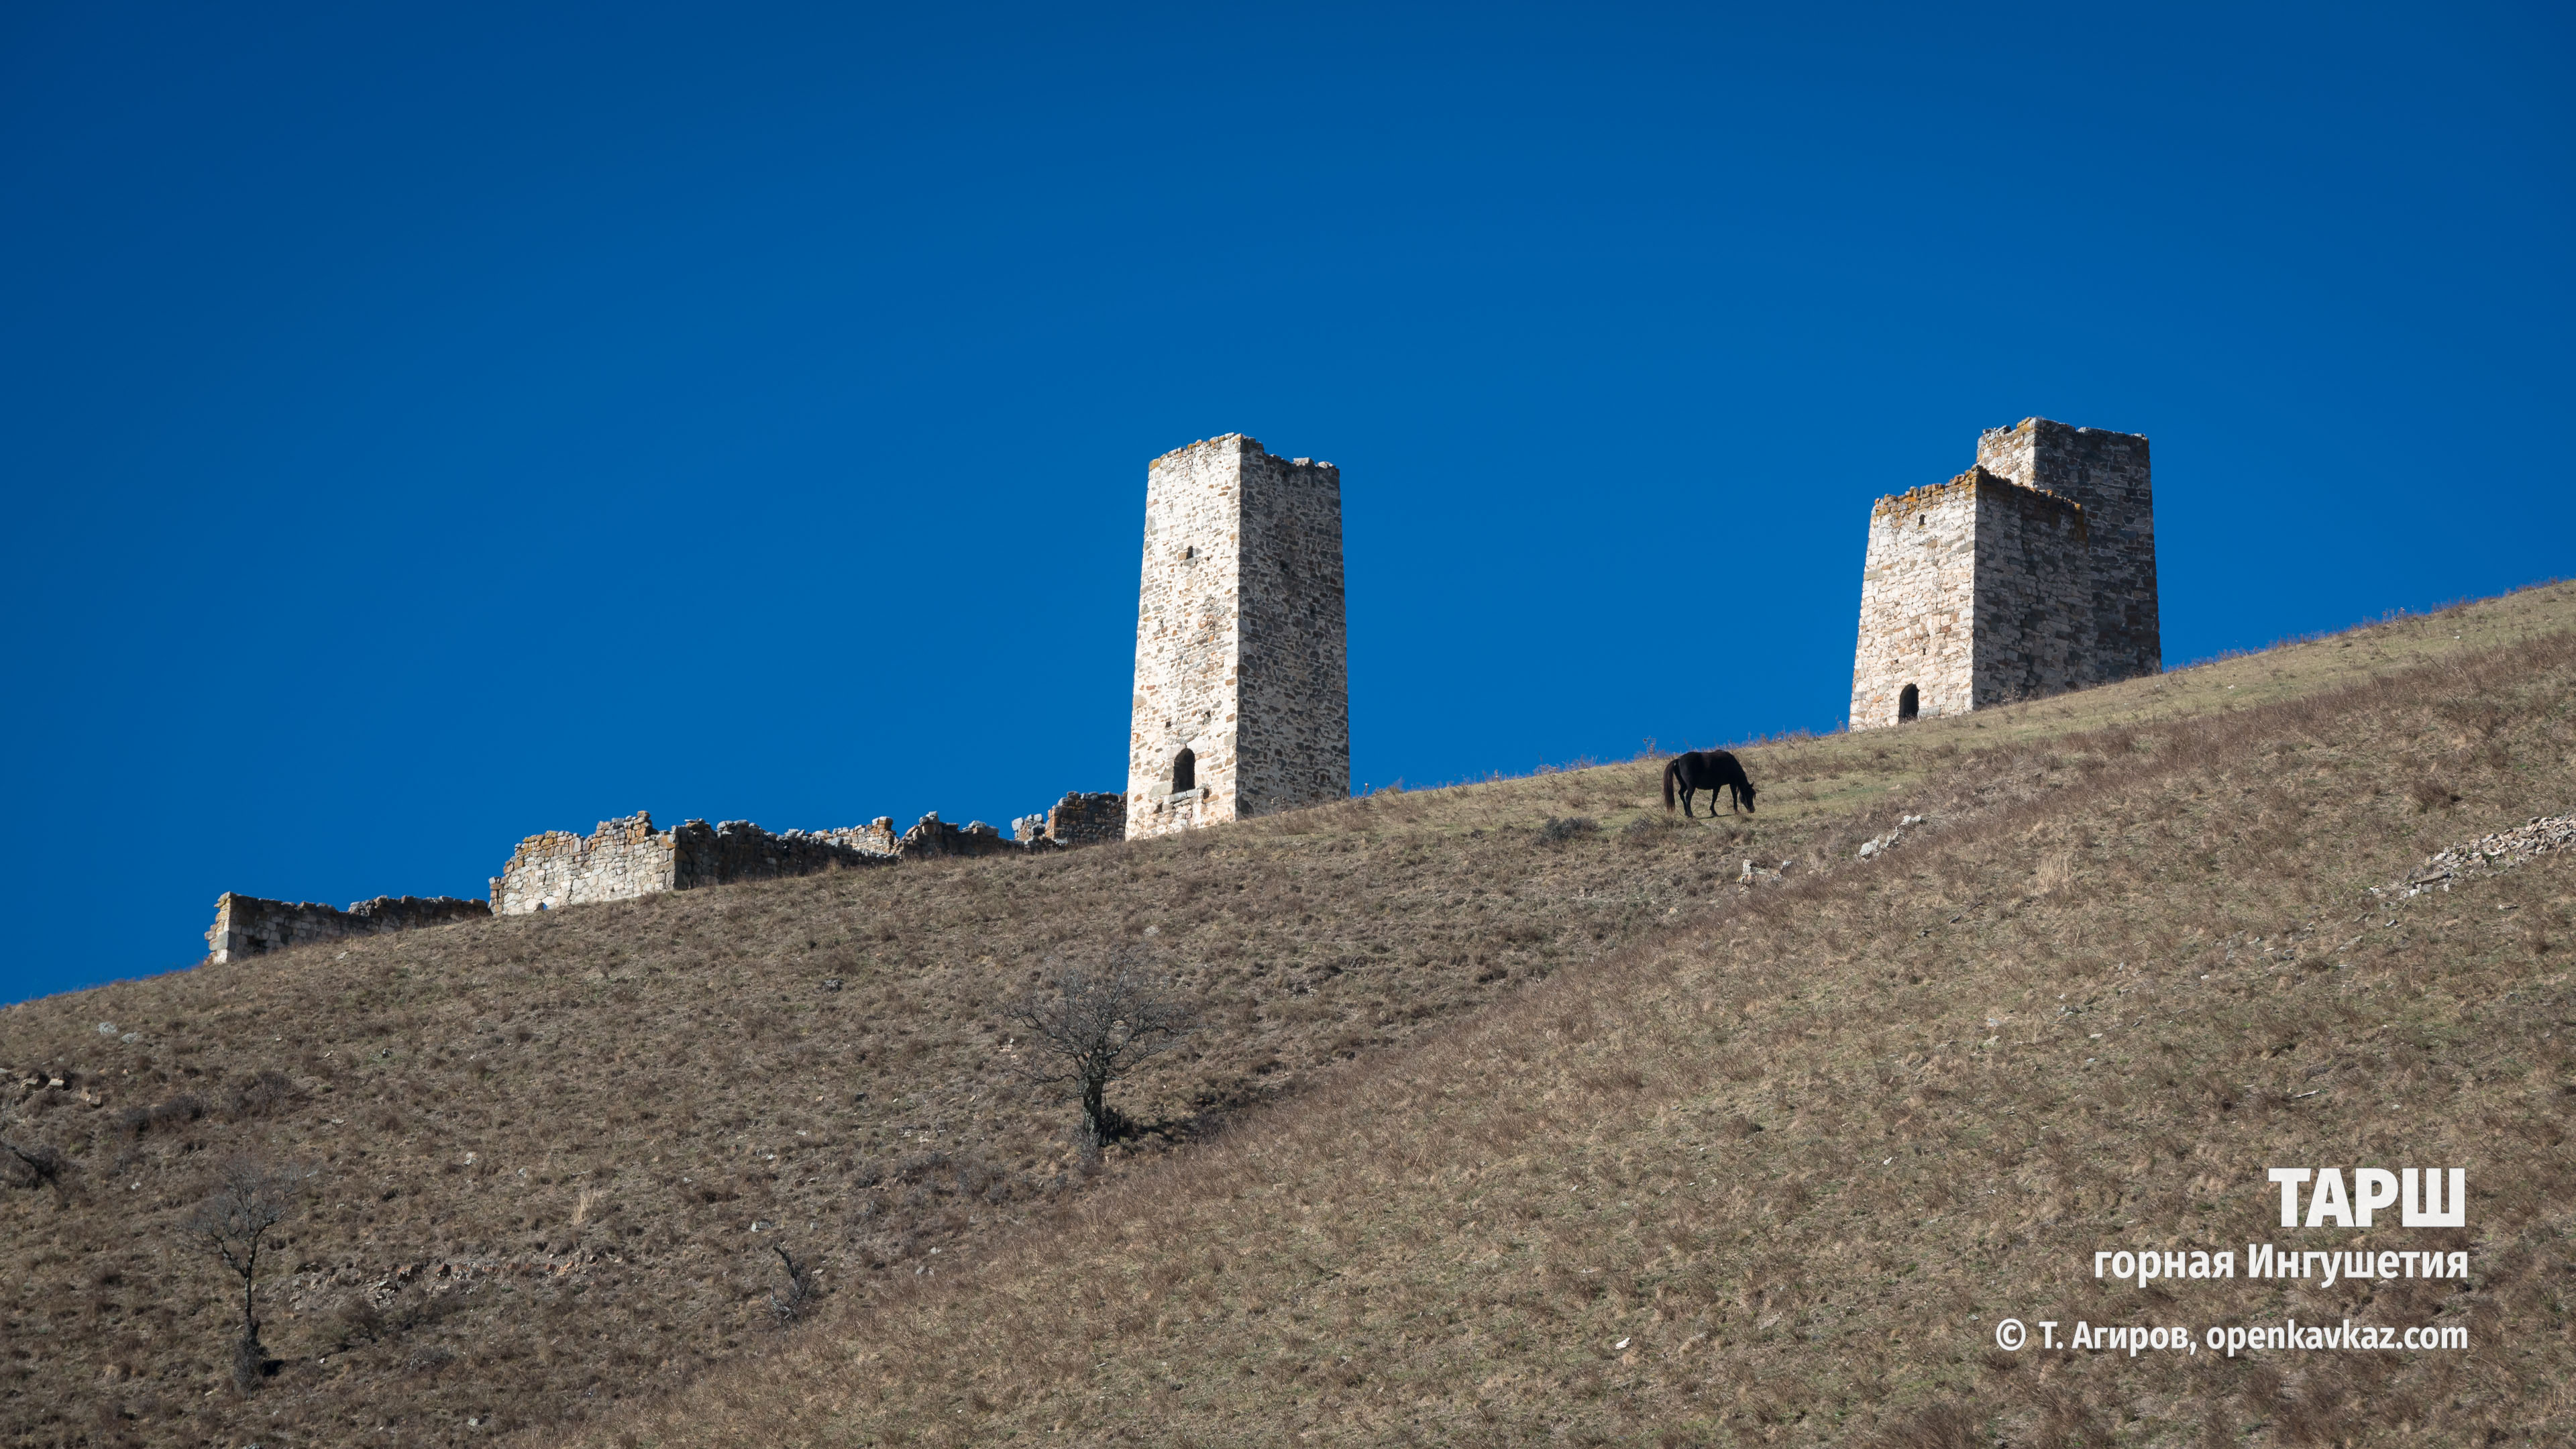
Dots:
pixel 1798 1158
pixel 1456 1171
pixel 543 1143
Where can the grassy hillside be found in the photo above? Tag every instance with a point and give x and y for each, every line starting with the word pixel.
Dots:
pixel 1772 1177
pixel 1487 1098
pixel 552 1153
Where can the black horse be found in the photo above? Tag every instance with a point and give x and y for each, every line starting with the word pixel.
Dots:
pixel 1709 770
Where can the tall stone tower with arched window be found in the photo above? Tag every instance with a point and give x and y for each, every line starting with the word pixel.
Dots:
pixel 1243 701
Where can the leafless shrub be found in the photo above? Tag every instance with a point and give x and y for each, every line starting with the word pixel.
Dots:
pixel 174 1111
pixel 265 1093
pixel 251 1200
pixel 359 1320
pixel 788 1302
pixel 1557 832
pixel 1096 1026
pixel 28 1162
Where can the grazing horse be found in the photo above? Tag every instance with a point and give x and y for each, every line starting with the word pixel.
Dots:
pixel 1708 770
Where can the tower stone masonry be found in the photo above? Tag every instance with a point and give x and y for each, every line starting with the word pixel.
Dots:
pixel 1242 701
pixel 2032 573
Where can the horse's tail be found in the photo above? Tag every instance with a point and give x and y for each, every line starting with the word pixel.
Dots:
pixel 1672 770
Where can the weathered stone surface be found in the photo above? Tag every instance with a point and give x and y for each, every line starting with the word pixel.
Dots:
pixel 622 859
pixel 2108 475
pixel 1918 604
pixel 626 858
pixel 1241 658
pixel 1077 819
pixel 1087 819
pixel 251 926
pixel 933 837
pixel 737 850
pixel 1992 588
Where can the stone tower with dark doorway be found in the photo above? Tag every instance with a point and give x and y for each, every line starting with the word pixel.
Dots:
pixel 2032 573
pixel 1242 703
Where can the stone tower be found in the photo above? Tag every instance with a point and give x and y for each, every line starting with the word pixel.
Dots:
pixel 2107 474
pixel 2032 573
pixel 1242 703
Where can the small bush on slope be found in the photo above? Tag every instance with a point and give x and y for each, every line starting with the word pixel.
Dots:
pixel 1773 1179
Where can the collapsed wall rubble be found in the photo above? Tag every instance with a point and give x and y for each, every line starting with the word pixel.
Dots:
pixel 933 837
pixel 1077 819
pixel 627 858
pixel 251 926
pixel 2489 853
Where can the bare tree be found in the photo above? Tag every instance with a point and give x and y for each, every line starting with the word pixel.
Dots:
pixel 1095 1026
pixel 39 1164
pixel 251 1201
pixel 803 1287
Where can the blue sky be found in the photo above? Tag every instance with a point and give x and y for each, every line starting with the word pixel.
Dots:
pixel 426 425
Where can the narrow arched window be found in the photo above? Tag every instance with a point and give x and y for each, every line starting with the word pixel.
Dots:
pixel 1908 704
pixel 1185 772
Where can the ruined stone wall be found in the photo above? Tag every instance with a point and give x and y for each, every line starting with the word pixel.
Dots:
pixel 1077 819
pixel 2110 475
pixel 1080 819
pixel 933 837
pixel 251 926
pixel 622 859
pixel 1240 648
pixel 1917 604
pixel 737 850
pixel 2033 612
pixel 626 858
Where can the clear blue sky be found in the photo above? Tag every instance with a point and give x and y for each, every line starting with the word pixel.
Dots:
pixel 426 425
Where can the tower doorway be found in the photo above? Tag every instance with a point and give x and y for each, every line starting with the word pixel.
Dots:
pixel 1185 772
pixel 1908 704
